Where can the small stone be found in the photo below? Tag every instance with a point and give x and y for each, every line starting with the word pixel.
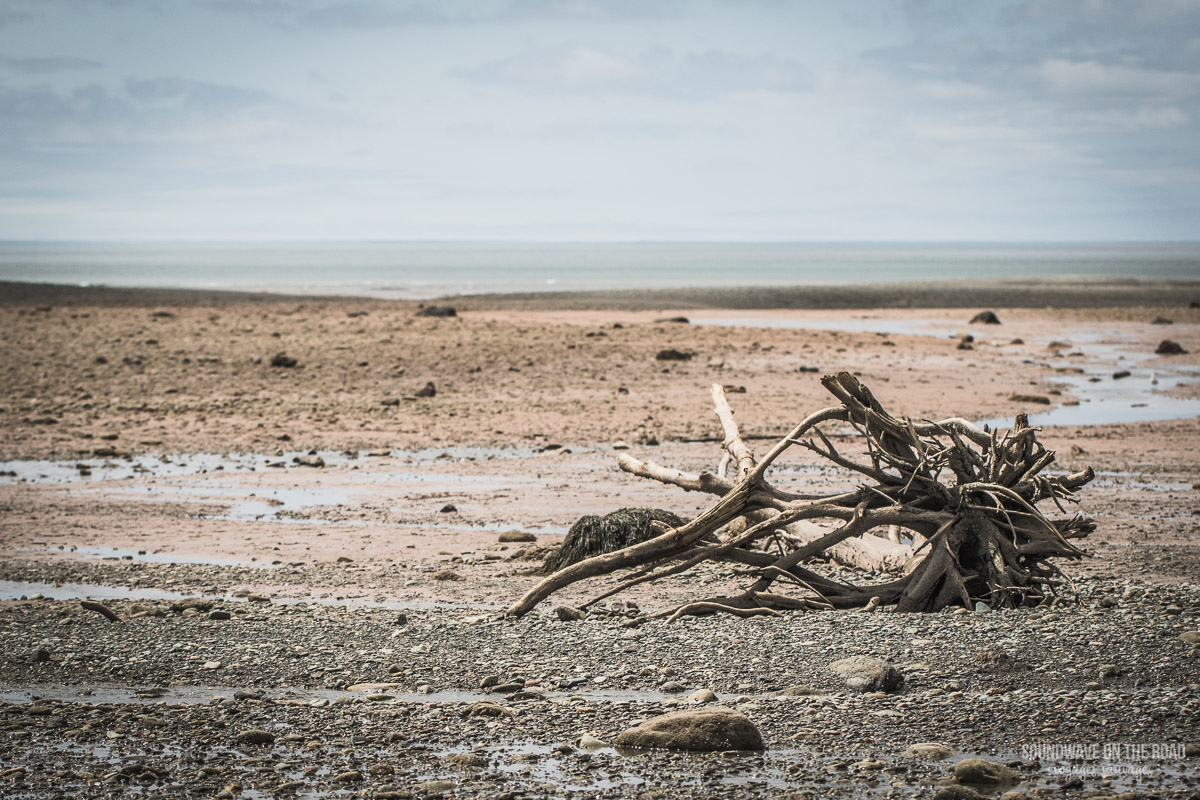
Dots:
pixel 219 614
pixel 1169 348
pixel 800 691
pixel 982 607
pixel 867 674
pixel 352 776
pixel 255 736
pixel 485 708
pixel 701 696
pixel 39 655
pixel 672 687
pixel 985 318
pixel 1190 637
pixel 957 793
pixel 981 772
pixel 569 614
pixel 672 354
pixel 438 311
pixel 430 788
pixel 467 760
pixel 428 390
pixel 929 751
pixel 449 508
pixel 517 536
pixel 590 744
pixel 1110 671
pixel 283 360
pixel 211 665
pixel 489 682
pixel 447 575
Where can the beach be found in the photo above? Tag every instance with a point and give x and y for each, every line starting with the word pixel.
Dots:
pixel 311 465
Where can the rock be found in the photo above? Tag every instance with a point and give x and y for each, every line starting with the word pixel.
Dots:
pixel 309 461
pixel 467 760
pixel 39 655
pixel 957 793
pixel 929 751
pixel 1121 374
pixel 438 311
pixel 701 696
pixel 485 708
pixel 283 360
pixel 672 687
pixel 489 682
pixel 800 691
pixel 985 318
pixel 592 535
pixel 1162 321
pixel 1191 750
pixel 1190 637
pixel 867 674
pixel 569 614
pixel 676 320
pixel 671 354
pixel 429 788
pixel 449 508
pixel 428 390
pixel 697 730
pixel 517 536
pixel 1110 671
pixel 982 607
pixel 255 736
pixel 1030 398
pixel 590 744
pixel 352 776
pixel 219 614
pixel 447 575
pixel 1169 348
pixel 981 772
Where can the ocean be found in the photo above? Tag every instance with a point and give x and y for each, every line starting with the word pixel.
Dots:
pixel 427 270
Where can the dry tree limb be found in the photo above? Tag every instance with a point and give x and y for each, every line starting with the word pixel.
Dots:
pixel 966 497
pixel 101 609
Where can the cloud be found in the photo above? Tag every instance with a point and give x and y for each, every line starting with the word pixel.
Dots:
pixel 1094 78
pixel 652 72
pixel 372 14
pixel 46 65
pixel 140 109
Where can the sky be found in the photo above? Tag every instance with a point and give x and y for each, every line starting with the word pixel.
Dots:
pixel 600 120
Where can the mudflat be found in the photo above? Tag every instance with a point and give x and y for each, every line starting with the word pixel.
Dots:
pixel 280 460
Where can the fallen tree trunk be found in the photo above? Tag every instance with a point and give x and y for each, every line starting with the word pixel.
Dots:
pixel 965 498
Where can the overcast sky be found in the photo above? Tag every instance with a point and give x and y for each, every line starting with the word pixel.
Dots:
pixel 600 120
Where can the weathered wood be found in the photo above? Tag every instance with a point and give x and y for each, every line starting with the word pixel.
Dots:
pixel 965 497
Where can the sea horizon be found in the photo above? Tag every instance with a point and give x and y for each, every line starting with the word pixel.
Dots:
pixel 418 270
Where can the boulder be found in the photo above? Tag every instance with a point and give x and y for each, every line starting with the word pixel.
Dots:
pixel 868 674
pixel 981 772
pixel 697 730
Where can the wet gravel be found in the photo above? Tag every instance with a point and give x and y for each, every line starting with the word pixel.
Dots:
pixel 161 702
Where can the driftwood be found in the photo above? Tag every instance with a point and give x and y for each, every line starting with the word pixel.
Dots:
pixel 955 507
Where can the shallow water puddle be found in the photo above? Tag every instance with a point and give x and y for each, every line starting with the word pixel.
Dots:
pixel 119 554
pixel 88 468
pixel 22 590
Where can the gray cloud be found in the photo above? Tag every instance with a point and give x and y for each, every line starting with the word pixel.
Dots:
pixel 45 65
pixel 372 14
pixel 652 72
pixel 139 109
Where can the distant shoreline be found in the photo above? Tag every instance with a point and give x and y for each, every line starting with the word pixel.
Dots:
pixel 1091 292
